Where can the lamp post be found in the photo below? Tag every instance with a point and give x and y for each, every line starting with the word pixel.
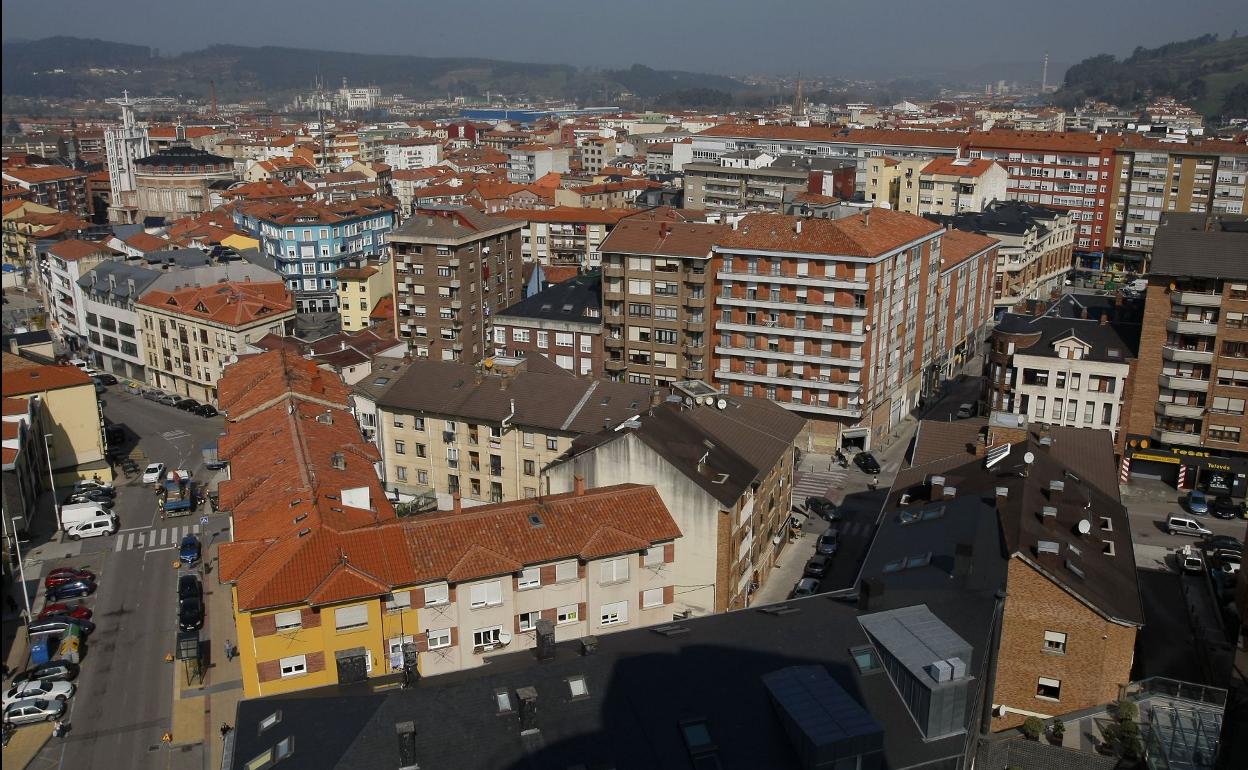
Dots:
pixel 21 569
pixel 56 500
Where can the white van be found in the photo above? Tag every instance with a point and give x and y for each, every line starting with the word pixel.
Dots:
pixel 79 513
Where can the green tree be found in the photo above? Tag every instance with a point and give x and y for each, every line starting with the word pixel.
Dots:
pixel 1032 727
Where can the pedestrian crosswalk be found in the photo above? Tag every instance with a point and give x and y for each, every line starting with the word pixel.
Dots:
pixel 816 483
pixel 154 538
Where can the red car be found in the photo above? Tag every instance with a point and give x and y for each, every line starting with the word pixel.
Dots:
pixel 78 612
pixel 66 574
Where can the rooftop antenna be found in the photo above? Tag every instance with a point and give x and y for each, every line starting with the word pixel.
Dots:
pixel 1044 74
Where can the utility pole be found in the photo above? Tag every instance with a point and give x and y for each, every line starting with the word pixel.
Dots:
pixel 56 502
pixel 21 568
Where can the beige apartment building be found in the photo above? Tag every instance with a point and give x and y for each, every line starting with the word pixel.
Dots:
pixel 484 433
pixel 70 413
pixel 453 269
pixel 657 294
pixel 191 334
pixel 359 290
pixel 566 236
pixel 955 185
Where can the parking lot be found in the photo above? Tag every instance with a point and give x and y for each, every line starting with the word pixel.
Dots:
pixel 124 700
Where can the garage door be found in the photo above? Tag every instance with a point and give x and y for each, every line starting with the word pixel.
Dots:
pixel 1150 469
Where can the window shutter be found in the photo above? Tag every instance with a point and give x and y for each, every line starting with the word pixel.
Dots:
pixel 548 574
pixel 669 552
pixel 347 617
pixel 264 625
pixel 669 594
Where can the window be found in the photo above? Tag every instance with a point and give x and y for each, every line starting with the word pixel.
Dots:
pixel 270 721
pixel 437 594
pixel 400 448
pixel 439 637
pixel 288 620
pixel 527 440
pixel 399 601
pixel 577 687
pixel 483 637
pixel 530 577
pixel 613 614
pixel 568 614
pixel 613 570
pixel 652 597
pixel 351 618
pixel 552 443
pixel 530 468
pixel 528 620
pixel 486 594
pixel 652 557
pixel 564 339
pixel 566 571
pixel 865 659
pixel 1055 641
pixel 1228 405
pixel 1049 689
pixel 293 666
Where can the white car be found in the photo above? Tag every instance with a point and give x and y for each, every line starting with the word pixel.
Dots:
pixel 96 527
pixel 89 485
pixel 39 688
pixel 153 473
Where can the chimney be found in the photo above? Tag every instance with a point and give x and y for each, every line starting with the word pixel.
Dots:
pixel 797 227
pixel 963 560
pixel 456 503
pixel 866 217
pixel 1104 319
pixel 1083 314
pixel 1003 494
pixel 406 731
pixel 870 594
pixel 656 397
pixel 578 485
pixel 936 486
pixel 528 709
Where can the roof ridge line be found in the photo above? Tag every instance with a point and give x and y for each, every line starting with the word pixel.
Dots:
pixel 576 410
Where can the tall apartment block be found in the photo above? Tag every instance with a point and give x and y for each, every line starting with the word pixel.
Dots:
pixel 1185 417
pixel 453 269
pixel 656 294
pixel 832 319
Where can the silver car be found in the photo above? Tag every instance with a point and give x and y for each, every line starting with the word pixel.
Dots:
pixel 42 689
pixel 29 710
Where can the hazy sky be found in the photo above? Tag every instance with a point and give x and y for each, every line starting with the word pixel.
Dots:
pixel 834 37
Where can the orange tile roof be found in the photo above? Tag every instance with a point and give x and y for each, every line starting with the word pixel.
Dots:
pixel 73 249
pixel 355 273
pixel 233 303
pixel 15 406
pixel 258 381
pixel 1060 141
pixel 574 214
pixel 863 235
pixel 267 189
pixel 39 174
pixel 384 309
pixel 948 166
pixel 21 379
pixel 147 242
pixel 837 135
pixel 957 246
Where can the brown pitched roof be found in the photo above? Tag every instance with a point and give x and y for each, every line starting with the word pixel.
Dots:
pixel 575 214
pixel 233 303
pixel 865 235
pixel 22 379
pixel 258 381
pixel 677 239
pixel 957 246
pixel 74 249
pixel 949 166
pixel 1062 141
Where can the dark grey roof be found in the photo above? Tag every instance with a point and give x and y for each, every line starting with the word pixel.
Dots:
pixel 1003 217
pixel 545 397
pixel 807 163
pixel 113 278
pixel 1108 342
pixel 178 258
pixel 124 232
pixel 452 224
pixel 1202 246
pixel 567 301
pixel 21 339
pixel 182 155
pixel 1012 750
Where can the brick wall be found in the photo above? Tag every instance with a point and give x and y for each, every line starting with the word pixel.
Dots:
pixel 1140 410
pixel 1097 659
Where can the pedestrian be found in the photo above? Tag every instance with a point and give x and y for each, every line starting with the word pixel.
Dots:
pixel 58 729
pixel 229 651
pixel 225 730
pixel 874 483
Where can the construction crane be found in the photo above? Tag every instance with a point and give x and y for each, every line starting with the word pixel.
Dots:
pixel 128 105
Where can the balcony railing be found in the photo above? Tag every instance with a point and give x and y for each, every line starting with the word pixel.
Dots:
pixel 1179 437
pixel 1179 410
pixel 1196 298
pixel 1180 326
pixel 1179 382
pixel 1186 355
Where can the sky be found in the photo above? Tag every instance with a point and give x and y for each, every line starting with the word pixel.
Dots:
pixel 847 38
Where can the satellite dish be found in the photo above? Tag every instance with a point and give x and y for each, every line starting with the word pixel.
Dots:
pixel 1084 526
pixel 722 403
pixel 1029 458
pixel 504 637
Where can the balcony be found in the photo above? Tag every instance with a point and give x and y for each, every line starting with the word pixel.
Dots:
pixel 613 270
pixel 791 306
pixel 829 411
pixel 695 348
pixel 1179 410
pixel 615 364
pixel 1196 298
pixel 789 380
pixel 692 301
pixel 613 343
pixel 695 326
pixel 693 372
pixel 455 283
pixel 1171 353
pixel 457 304
pixel 1179 326
pixel 797 358
pixel 1178 382
pixel 1178 437
pixel 795 280
pixel 453 263
pixel 786 331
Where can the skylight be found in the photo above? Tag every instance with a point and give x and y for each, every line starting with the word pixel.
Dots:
pixel 577 686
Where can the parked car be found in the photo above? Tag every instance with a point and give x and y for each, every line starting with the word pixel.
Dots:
pixel 99 498
pixel 817 566
pixel 867 462
pixel 805 587
pixel 189 588
pixel 58 624
pixel 152 394
pixel 52 671
pixel 1182 525
pixel 191 614
pixel 1190 560
pixel 1197 502
pixel 66 574
pixel 823 507
pixel 75 611
pixel 205 410
pixel 1227 560
pixel 153 473
pixel 169 399
pixel 39 688
pixel 104 378
pixel 1218 542
pixel 98 527
pixel 1226 508
pixel 97 487
pixel 966 410
pixel 30 710
pixel 187 405
pixel 188 550
pixel 71 590
pixel 828 542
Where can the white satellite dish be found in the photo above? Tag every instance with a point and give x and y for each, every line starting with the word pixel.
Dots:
pixel 1029 458
pixel 1084 526
pixel 722 403
pixel 504 637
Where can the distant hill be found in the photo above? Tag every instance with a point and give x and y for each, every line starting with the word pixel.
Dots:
pixel 1210 74
pixel 76 67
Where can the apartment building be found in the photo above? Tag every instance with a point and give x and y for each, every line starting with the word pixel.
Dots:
pixel 723 467
pixel 70 417
pixel 529 162
pixel 310 241
pixel 1071 604
pixel 1185 418
pixel 1069 171
pixel 179 181
pixel 565 235
pixel 562 322
pixel 949 186
pixel 1037 247
pixel 360 288
pixel 190 334
pixel 412 153
pixel 454 268
pixel 24 466
pixel 1070 364
pixel 964 310
pixel 832 319
pixel 61 265
pixel 1155 178
pixel 109 293
pixel 61 188
pixel 752 179
pixel 604 195
pixel 485 432
pixel 656 293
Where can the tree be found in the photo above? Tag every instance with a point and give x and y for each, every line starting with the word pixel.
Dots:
pixel 1032 727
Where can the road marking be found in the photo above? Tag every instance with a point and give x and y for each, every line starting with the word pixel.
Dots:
pixel 174 435
pixel 154 550
pixel 163 534
pixel 120 542
pixel 132 529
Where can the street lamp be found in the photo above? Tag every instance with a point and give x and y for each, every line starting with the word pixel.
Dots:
pixel 56 500
pixel 21 568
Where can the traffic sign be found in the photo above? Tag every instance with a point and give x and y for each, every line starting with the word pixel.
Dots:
pixel 203 519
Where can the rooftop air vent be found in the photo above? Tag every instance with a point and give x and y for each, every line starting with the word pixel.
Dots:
pixel 300 518
pixel 1057 486
pixel 1046 441
pixel 1048 546
pixel 671 629
pixel 951 491
pixel 1048 511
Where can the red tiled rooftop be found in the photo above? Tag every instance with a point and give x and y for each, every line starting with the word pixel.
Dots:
pixel 863 235
pixel 234 303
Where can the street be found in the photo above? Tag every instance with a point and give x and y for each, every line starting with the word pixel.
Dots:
pixel 124 700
